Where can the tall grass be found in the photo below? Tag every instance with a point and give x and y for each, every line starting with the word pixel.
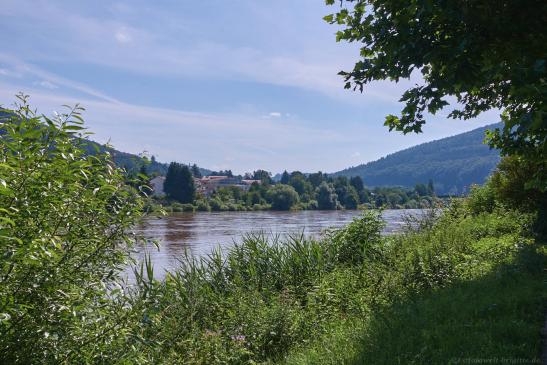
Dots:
pixel 356 296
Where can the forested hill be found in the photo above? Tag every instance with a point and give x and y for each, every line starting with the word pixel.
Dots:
pixel 132 162
pixel 128 161
pixel 453 163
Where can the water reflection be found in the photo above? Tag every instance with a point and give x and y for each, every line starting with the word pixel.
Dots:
pixel 199 233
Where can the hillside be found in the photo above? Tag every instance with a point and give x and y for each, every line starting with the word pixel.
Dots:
pixel 453 163
pixel 128 161
pixel 132 162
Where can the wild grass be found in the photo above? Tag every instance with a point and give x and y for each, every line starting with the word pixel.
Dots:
pixel 456 287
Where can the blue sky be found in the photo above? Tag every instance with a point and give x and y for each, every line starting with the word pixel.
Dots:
pixel 237 84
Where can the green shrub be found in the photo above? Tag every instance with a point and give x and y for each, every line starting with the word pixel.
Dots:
pixel 282 197
pixel 481 199
pixel 515 185
pixel 360 240
pixel 65 222
pixel 202 206
pixel 187 208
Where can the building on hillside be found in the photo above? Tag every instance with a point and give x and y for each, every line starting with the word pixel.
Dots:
pixel 205 185
pixel 249 182
pixel 157 185
pixel 208 184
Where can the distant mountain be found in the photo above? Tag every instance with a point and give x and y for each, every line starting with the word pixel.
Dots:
pixel 453 163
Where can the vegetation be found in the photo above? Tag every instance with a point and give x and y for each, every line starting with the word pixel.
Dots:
pixel 65 218
pixel 454 163
pixel 465 283
pixel 179 183
pixel 283 197
pixel 312 191
pixel 487 55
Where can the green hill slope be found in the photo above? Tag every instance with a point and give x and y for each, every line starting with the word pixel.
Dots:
pixel 128 161
pixel 453 163
pixel 132 162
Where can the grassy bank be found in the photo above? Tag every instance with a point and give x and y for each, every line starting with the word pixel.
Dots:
pixel 467 285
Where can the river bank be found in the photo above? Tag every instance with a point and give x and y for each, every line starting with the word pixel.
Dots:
pixel 466 285
pixel 198 234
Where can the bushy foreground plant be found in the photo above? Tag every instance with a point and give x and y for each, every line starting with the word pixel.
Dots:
pixel 64 222
pixel 470 286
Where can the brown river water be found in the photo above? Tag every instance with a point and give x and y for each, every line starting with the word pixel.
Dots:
pixel 199 233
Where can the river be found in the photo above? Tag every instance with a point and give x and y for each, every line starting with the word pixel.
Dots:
pixel 199 233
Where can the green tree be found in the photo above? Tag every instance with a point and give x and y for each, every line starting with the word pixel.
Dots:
pixel 430 188
pixel 351 199
pixel 326 196
pixel 300 184
pixel 316 179
pixel 357 183
pixel 195 171
pixel 65 223
pixel 285 177
pixel 421 190
pixel 263 176
pixel 485 54
pixel 282 197
pixel 179 183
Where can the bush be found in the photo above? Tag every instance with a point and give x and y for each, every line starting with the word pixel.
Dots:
pixel 481 199
pixel 282 197
pixel 360 240
pixel 187 207
pixel 515 185
pixel 202 206
pixel 65 223
pixel 217 205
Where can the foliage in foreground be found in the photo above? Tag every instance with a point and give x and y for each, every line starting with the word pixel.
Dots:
pixel 64 217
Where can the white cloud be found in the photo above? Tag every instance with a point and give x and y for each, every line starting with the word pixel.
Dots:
pixel 122 36
pixel 24 69
pixel 275 114
pixel 10 73
pixel 163 52
pixel 46 84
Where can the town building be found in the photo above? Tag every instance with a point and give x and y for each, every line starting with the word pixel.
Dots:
pixel 206 185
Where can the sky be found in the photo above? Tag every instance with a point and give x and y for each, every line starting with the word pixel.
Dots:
pixel 240 85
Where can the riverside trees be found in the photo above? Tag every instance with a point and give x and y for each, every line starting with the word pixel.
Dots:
pixel 179 183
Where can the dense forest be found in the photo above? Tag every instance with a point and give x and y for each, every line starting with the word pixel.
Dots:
pixel 453 163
